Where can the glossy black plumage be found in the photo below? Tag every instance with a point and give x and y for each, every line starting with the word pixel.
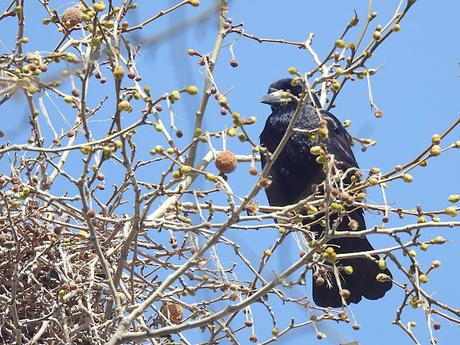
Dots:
pixel 294 174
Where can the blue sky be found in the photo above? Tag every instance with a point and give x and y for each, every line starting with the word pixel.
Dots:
pixel 417 89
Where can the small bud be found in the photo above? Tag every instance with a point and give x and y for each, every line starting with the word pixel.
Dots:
pixel 436 139
pixel 86 149
pixel 436 263
pixel 360 196
pixel 377 35
pixel 421 220
pixel 233 63
pixel 373 181
pixel 174 96
pixel 348 270
pixel 340 43
pixel 450 211
pixel 412 253
pixel 194 3
pixel 158 149
pixel 31 89
pixel 454 198
pixel 292 70
pixel 185 169
pixel 336 207
pixel 124 106
pixel 336 85
pixel 396 27
pixel 118 72
pixel 382 264
pixel 345 293
pixel 382 277
pixel 99 6
pixel 423 278
pixel 253 171
pixel 329 250
pixel 316 150
pixel 191 90
pixel 176 174
pixel 211 177
pixel 265 182
pixel 354 21
pixel 353 224
pixel 407 178
pixel 438 240
pixel 319 281
pixel 222 100
pixel 423 246
pixel 435 150
pixel 320 335
pixel 378 113
pixel 320 159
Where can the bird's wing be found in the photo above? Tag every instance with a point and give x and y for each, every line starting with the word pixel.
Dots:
pixel 276 194
pixel 339 142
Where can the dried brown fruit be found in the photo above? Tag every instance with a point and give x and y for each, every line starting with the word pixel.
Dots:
pixel 71 17
pixel 226 162
pixel 173 312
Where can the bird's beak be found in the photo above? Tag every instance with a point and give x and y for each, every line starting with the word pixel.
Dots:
pixel 275 97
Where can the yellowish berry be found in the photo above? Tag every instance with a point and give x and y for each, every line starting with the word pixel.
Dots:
pixel 423 278
pixel 407 178
pixel 382 264
pixel 175 95
pixel 292 70
pixel 316 150
pixel 450 211
pixel 435 150
pixel 124 106
pixel 373 181
pixel 348 270
pixel 396 27
pixel 211 177
pixel 191 90
pixel 340 43
pixel 99 6
pixel 454 198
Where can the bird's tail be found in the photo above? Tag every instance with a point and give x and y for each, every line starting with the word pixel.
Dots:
pixel 362 282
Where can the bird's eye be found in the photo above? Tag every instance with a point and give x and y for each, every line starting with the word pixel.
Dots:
pixel 272 89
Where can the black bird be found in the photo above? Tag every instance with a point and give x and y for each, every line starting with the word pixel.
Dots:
pixel 296 172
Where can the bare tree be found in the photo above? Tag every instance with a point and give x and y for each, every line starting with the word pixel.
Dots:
pixel 92 252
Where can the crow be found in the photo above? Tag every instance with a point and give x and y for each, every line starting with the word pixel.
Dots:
pixel 296 173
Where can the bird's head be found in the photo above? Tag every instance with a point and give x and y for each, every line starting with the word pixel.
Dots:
pixel 278 93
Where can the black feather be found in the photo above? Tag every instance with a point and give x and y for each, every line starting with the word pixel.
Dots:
pixel 295 173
